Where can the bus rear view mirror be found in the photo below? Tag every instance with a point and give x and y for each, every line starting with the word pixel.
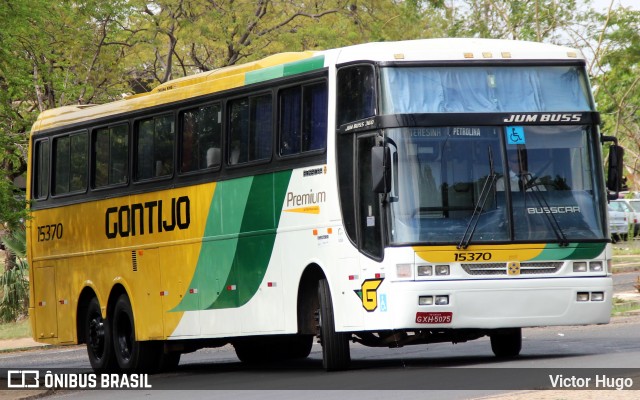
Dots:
pixel 615 170
pixel 380 169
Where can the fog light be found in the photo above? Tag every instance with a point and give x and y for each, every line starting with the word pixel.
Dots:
pixel 597 296
pixel 442 300
pixel 425 270
pixel 442 270
pixel 583 296
pixel 580 266
pixel 403 270
pixel 425 300
pixel 595 266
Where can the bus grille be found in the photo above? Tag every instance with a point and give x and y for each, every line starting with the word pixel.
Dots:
pixel 526 268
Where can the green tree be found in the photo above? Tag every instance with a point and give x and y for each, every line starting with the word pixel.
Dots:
pixel 536 20
pixel 611 40
pixel 174 38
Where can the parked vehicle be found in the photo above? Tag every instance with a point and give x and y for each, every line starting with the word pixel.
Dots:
pixel 633 217
pixel 635 205
pixel 618 225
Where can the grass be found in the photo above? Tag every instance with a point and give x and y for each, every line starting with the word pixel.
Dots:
pixel 628 248
pixel 15 330
pixel 621 306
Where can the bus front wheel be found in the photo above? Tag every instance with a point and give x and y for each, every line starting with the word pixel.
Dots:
pixel 335 345
pixel 506 343
pixel 133 356
pixel 98 336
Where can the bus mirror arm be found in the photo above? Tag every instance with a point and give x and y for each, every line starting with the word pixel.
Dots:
pixel 381 169
pixel 615 169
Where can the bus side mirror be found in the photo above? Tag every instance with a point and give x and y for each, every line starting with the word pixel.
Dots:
pixel 615 170
pixel 381 169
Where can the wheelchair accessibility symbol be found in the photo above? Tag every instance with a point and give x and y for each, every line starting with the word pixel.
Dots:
pixel 515 134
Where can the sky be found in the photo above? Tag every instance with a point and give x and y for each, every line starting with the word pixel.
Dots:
pixel 603 5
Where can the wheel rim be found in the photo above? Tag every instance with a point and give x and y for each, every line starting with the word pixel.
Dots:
pixel 96 336
pixel 124 336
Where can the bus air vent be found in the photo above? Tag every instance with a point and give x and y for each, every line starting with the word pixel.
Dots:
pixel 134 260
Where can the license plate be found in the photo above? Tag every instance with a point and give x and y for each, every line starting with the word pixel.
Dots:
pixel 434 317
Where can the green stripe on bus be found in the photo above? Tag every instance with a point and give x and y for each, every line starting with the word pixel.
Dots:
pixel 238 241
pixel 255 246
pixel 279 71
pixel 220 242
pixel 574 251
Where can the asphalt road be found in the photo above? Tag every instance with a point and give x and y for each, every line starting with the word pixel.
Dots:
pixel 442 371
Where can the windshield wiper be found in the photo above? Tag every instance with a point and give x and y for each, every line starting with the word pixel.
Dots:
pixel 529 183
pixel 479 207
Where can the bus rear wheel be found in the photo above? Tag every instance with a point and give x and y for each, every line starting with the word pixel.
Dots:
pixel 506 343
pixel 336 355
pixel 98 336
pixel 133 356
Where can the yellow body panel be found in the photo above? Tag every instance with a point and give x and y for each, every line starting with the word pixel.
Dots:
pixel 83 256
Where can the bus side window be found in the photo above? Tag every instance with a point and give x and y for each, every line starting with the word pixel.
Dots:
pixel 70 163
pixel 250 129
pixel 315 113
pixel 41 170
pixel 303 118
pixel 154 147
pixel 110 155
pixel 200 138
pixel 356 94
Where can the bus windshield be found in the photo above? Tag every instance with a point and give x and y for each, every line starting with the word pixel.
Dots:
pixel 540 191
pixel 484 89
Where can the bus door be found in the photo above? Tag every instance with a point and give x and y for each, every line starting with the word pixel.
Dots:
pixel 148 296
pixel 45 301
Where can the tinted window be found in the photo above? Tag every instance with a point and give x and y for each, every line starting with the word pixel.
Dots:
pixel 201 138
pixel 41 170
pixel 70 163
pixel 111 156
pixel 356 94
pixel 303 119
pixel 154 147
pixel 250 129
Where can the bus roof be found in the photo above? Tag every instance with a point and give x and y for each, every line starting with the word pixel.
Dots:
pixel 285 64
pixel 278 65
pixel 456 49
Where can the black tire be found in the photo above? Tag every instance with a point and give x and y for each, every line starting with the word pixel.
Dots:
pixel 298 346
pixel 335 345
pixel 249 352
pixel 133 356
pixel 98 337
pixel 507 343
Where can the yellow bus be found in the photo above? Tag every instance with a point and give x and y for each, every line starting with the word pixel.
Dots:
pixel 388 194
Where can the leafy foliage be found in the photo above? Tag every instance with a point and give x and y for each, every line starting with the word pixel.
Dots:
pixel 14 283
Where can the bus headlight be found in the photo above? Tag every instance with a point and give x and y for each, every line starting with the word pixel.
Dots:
pixel 442 300
pixel 597 296
pixel 595 266
pixel 425 300
pixel 425 270
pixel 442 270
pixel 583 296
pixel 580 266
